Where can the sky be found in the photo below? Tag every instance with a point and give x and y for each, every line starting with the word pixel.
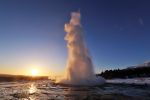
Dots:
pixel 117 34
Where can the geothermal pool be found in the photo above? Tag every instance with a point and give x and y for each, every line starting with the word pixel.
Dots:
pixel 46 90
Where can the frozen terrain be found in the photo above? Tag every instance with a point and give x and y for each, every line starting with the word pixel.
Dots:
pixel 46 90
pixel 138 81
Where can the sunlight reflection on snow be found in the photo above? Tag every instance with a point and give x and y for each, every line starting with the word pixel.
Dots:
pixel 32 89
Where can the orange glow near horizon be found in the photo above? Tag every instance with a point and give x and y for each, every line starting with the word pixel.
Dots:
pixel 32 70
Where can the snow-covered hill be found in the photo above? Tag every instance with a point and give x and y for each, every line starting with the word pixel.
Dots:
pixel 145 64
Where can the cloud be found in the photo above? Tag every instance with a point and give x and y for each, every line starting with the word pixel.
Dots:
pixel 141 21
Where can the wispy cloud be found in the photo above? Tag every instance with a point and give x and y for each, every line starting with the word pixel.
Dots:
pixel 141 21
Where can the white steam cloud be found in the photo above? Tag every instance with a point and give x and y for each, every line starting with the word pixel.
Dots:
pixel 79 69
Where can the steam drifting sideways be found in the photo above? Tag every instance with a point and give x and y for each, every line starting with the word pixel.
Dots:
pixel 79 69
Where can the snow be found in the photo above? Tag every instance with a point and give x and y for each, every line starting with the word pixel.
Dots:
pixel 46 90
pixel 138 81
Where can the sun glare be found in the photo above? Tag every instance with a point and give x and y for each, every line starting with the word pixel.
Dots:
pixel 34 72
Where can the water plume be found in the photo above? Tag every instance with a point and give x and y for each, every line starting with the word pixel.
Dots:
pixel 79 68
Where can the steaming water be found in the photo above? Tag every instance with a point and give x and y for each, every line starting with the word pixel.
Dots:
pixel 45 90
pixel 79 69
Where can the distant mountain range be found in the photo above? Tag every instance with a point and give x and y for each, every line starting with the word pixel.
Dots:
pixel 8 78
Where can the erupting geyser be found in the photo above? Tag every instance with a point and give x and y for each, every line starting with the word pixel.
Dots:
pixel 79 69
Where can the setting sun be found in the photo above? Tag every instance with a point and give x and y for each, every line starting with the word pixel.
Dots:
pixel 34 72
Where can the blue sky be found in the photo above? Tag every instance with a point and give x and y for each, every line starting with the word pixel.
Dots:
pixel 32 33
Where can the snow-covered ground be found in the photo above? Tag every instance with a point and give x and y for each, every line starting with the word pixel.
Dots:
pixel 46 90
pixel 138 81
